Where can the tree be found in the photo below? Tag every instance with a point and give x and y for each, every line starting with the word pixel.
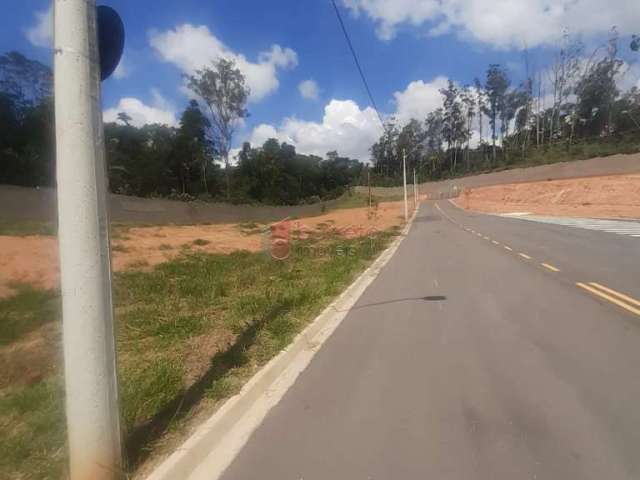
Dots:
pixel 411 142
pixel 125 118
pixel 496 86
pixel 453 127
pixel 434 124
pixel 194 147
pixel 470 103
pixel 26 121
pixel 564 73
pixel 481 102
pixel 597 90
pixel 27 82
pixel 384 153
pixel 222 89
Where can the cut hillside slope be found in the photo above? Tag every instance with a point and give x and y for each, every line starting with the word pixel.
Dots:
pixel 616 196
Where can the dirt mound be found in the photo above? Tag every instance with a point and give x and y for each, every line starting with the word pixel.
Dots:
pixel 615 196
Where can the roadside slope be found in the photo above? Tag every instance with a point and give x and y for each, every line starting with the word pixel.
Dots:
pixel 596 197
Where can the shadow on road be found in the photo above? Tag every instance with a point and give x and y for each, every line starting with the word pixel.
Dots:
pixel 429 298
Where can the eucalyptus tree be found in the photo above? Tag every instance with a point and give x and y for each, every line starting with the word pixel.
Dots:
pixel 221 87
pixel 496 85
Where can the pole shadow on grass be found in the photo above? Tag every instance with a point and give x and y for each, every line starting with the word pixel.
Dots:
pixel 139 441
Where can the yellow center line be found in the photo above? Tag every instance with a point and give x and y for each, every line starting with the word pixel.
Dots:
pixel 508 248
pixel 550 267
pixel 615 293
pixel 524 255
pixel 611 299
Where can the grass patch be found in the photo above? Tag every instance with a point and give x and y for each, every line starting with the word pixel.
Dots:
pixel 23 229
pixel 257 303
pixel 250 228
pixel 165 246
pixel 119 248
pixel 28 309
pixel 33 429
pixel 201 242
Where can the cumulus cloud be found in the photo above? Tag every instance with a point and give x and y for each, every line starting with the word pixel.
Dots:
pixel 345 127
pixel 160 111
pixel 500 23
pixel 41 33
pixel 191 47
pixel 419 98
pixel 309 90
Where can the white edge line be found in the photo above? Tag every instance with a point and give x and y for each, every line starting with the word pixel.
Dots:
pixel 214 444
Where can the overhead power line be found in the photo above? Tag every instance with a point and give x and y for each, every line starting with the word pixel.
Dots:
pixel 357 62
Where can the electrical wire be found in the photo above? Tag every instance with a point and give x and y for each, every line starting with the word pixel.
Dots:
pixel 357 62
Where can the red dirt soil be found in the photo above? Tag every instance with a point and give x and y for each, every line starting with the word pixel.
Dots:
pixel 616 196
pixel 34 259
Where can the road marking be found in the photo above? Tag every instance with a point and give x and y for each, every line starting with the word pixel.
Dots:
pixel 621 227
pixel 615 293
pixel 524 255
pixel 486 238
pixel 611 299
pixel 508 248
pixel 495 243
pixel 550 267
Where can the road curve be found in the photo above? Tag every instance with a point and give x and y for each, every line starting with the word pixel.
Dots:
pixel 467 358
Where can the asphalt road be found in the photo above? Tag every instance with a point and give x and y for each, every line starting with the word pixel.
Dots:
pixel 467 360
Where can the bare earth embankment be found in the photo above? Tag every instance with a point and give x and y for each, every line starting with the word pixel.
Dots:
pixel 33 259
pixel 616 196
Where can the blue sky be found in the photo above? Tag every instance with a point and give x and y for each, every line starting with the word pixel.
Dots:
pixel 408 49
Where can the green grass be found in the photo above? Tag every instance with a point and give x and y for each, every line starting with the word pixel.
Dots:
pixel 32 424
pixel 26 311
pixel 23 229
pixel 255 302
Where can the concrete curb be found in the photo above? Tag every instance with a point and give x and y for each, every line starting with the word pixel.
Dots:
pixel 214 445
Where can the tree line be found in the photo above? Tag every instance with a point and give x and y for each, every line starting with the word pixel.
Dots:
pixel 490 123
pixel 189 161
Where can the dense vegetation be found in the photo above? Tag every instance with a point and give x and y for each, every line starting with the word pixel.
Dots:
pixel 491 125
pixel 157 160
pixel 572 109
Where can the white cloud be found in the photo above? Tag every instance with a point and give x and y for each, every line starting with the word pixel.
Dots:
pixel 191 47
pixel 122 70
pixel 501 23
pixel 309 90
pixel 41 34
pixel 419 98
pixel 345 128
pixel 160 111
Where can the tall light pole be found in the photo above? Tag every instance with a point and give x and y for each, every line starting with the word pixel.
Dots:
pixel 415 188
pixel 404 175
pixel 369 183
pixel 93 424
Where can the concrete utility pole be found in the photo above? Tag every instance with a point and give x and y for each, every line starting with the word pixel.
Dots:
pixel 415 188
pixel 93 424
pixel 404 175
pixel 369 183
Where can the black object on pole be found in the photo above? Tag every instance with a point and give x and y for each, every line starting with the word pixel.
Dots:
pixel 110 40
